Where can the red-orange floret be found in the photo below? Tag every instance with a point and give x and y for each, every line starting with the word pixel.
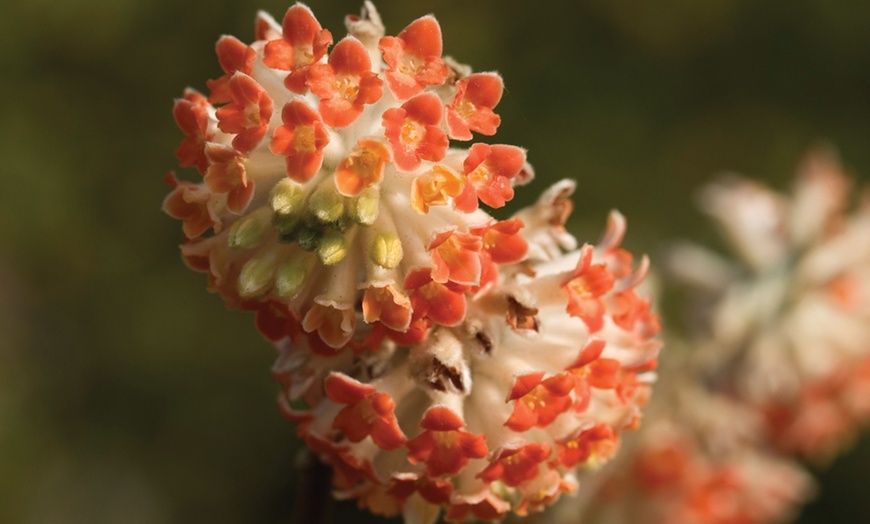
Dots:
pixel 367 412
pixel 247 114
pixel 471 108
pixel 189 203
pixel 233 55
pixel 363 168
pixel 304 43
pixel 503 241
pixel 490 508
pixel 414 58
pixel 275 321
pixel 413 131
pixel 191 116
pixel 345 84
pixel 333 325
pixel 227 174
pixel 599 442
pixel 456 258
pixel 301 139
pixel 489 170
pixel 443 446
pixel 434 491
pixel 585 289
pixel 388 306
pixel 515 465
pixel 441 303
pixel 538 401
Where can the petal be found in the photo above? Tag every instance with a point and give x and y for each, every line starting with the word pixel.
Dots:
pixel 441 418
pixel 342 389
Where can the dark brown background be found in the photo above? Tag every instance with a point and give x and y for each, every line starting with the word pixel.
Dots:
pixel 129 394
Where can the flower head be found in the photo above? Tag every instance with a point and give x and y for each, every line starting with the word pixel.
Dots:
pixel 700 459
pixel 434 356
pixel 797 322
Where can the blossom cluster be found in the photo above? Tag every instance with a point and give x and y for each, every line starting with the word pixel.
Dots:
pixel 701 458
pixel 776 372
pixel 436 358
pixel 792 328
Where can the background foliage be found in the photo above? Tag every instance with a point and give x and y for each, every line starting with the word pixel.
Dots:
pixel 128 394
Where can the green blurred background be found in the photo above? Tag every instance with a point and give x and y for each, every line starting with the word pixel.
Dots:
pixel 129 394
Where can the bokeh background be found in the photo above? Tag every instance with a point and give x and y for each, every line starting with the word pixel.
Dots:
pixel 129 394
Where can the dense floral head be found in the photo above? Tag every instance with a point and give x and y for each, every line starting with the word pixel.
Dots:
pixel 793 328
pixel 700 459
pixel 435 357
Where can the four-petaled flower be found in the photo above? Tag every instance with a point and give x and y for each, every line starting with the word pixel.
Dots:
pixel 301 139
pixel 304 43
pixel 363 167
pixel 516 464
pixel 588 283
pixel 227 174
pixel 367 413
pixel 247 114
pixel 191 116
pixel 489 171
pixel 443 446
pixel 471 108
pixel 233 55
pixel 538 401
pixel 414 58
pixel 345 84
pixel 413 131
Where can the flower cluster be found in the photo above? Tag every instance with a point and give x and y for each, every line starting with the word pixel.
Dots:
pixel 792 328
pixel 435 357
pixel 699 459
pixel 778 369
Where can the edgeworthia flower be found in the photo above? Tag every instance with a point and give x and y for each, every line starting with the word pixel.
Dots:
pixel 437 358
pixel 790 331
pixel 700 458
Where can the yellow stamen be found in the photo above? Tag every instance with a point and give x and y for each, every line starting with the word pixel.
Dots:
pixel 386 250
pixel 290 277
pixel 332 248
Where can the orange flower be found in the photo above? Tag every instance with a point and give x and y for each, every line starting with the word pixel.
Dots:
pixel 233 56
pixel 363 168
pixel 345 84
pixel 414 58
pixel 304 43
pixel 489 170
pixel 191 116
pixel 301 139
pixel 413 131
pixel 247 114
pixel 367 413
pixel 471 108
pixel 443 446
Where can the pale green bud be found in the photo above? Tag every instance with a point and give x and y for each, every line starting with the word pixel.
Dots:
pixel 248 231
pixel 256 276
pixel 326 204
pixel 286 197
pixel 364 208
pixel 290 277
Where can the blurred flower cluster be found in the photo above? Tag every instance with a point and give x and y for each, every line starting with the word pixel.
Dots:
pixel 443 362
pixel 773 371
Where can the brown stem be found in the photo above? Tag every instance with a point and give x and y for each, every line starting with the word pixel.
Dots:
pixel 314 496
